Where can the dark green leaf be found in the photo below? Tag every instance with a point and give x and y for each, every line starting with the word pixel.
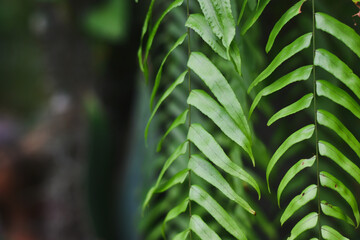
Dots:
pixel 335 212
pixel 299 74
pixel 308 222
pixel 327 119
pixel 328 150
pixel 338 96
pixel 327 180
pixel 287 52
pixel 250 22
pixel 288 15
pixel 173 213
pixel 339 30
pixel 297 202
pixel 339 69
pixel 298 136
pixel 297 106
pixel 295 169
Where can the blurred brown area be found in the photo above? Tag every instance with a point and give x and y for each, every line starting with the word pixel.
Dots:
pixel 56 63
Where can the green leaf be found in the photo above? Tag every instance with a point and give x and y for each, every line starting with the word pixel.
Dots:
pixel 235 57
pixel 212 150
pixel 299 74
pixel 339 30
pixel 218 85
pixel 328 150
pixel 297 106
pixel 173 213
pixel 202 198
pixel 197 22
pixel 252 20
pixel 208 172
pixel 219 16
pixel 335 212
pixel 295 169
pixel 159 73
pixel 298 136
pixel 297 202
pixel 143 32
pixel 208 106
pixel 339 69
pixel 327 180
pixel 182 235
pixel 338 96
pixel 202 229
pixel 166 94
pixel 308 222
pixel 180 120
pixel 180 150
pixel 242 11
pixel 329 233
pixel 329 120
pixel 176 179
pixel 288 15
pixel 173 5
pixel 287 52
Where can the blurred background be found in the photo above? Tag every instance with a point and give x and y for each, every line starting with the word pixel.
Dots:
pixel 73 106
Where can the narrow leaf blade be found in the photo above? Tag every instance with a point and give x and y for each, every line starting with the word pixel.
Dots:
pixel 329 233
pixel 287 52
pixel 335 212
pixel 202 229
pixel 308 222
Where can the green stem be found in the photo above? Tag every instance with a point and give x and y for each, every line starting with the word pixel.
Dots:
pixel 315 120
pixel 189 106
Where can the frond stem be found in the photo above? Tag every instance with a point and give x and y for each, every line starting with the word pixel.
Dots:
pixel 189 106
pixel 315 120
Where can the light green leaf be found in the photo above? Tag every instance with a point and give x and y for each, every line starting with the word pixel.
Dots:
pixel 288 15
pixel 328 150
pixel 173 213
pixel 329 120
pixel 219 16
pixel 339 69
pixel 212 150
pixel 208 106
pixel 218 85
pixel 308 222
pixel 335 212
pixel 202 198
pixel 327 180
pixel 209 173
pixel 287 52
pixel 250 22
pixel 176 179
pixel 299 74
pixel 202 229
pixel 339 30
pixel 297 106
pixel 159 73
pixel 173 5
pixel 166 94
pixel 295 169
pixel 182 235
pixel 180 150
pixel 329 233
pixel 180 120
pixel 297 202
pixel 197 22
pixel 298 136
pixel 338 96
